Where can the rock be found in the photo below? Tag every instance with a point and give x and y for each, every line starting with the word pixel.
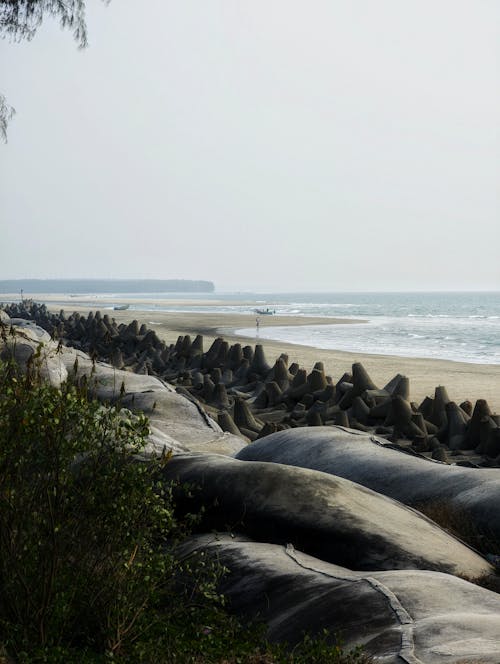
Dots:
pixel 30 330
pixel 316 380
pixel 439 454
pixel 438 415
pixel 30 346
pixel 326 516
pixel 402 417
pixel 366 459
pixel 208 388
pixel 220 398
pixel 416 617
pixel 280 375
pixel 360 411
pixel 244 418
pixel 492 447
pixel 361 382
pixel 267 429
pixel 259 363
pixel 273 392
pixel 226 422
pixel 456 437
pixel 177 423
pixel 235 357
pixel 313 419
pixel 402 388
pixel 466 406
pixel 341 419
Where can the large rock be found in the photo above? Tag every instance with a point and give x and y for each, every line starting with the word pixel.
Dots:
pixel 372 462
pixel 329 517
pixel 411 616
pixel 173 417
pixel 177 423
pixel 30 329
pixel 28 344
pixel 4 318
pixel 183 419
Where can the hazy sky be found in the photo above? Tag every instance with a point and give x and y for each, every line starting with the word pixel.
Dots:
pixel 262 144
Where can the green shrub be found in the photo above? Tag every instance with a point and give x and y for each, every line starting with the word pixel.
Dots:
pixel 87 530
pixel 82 524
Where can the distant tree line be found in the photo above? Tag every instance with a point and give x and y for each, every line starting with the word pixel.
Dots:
pixel 79 286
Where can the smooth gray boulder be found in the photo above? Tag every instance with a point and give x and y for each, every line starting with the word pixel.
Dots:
pixel 177 424
pixel 34 331
pixel 329 517
pixel 184 420
pixel 411 616
pixel 372 462
pixel 26 342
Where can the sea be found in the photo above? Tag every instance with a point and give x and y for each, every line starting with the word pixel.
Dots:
pixel 462 327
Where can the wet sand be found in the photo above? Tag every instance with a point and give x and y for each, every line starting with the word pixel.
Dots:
pixel 462 380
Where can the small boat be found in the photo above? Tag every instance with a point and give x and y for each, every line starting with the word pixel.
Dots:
pixel 121 307
pixel 264 312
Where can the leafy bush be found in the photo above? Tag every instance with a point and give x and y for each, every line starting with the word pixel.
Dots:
pixel 87 530
pixel 82 523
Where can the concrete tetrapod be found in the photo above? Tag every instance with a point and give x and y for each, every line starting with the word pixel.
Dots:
pixel 329 517
pixel 410 616
pixel 372 462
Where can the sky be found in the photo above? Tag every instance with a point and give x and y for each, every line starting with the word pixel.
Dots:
pixel 328 145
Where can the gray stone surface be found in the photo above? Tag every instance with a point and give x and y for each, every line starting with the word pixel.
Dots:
pixel 25 342
pixel 329 517
pixel 34 331
pixel 369 461
pixel 411 616
pixel 177 424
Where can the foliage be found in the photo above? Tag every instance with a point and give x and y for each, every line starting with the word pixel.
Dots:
pixel 6 115
pixel 82 523
pixel 20 19
pixel 224 640
pixel 87 530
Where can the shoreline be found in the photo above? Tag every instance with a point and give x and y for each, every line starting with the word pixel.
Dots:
pixel 463 380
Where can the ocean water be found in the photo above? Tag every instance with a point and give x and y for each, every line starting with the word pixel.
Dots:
pixel 454 326
pixel 462 327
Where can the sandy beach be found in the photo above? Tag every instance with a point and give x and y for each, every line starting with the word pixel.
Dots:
pixel 462 380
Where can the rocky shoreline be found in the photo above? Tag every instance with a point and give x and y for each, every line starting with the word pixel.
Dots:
pixel 251 398
pixel 318 525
